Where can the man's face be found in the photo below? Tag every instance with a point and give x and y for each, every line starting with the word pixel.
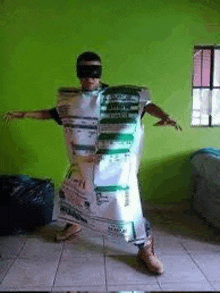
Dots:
pixel 90 83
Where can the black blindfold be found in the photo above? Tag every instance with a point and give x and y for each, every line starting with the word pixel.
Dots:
pixel 93 71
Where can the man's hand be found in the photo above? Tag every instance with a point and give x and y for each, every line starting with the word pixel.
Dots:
pixel 157 112
pixel 14 115
pixel 39 114
pixel 168 122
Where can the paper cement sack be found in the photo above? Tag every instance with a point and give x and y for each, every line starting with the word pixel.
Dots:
pixel 104 135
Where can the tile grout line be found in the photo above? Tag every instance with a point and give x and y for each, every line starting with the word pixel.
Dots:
pixel 24 244
pixel 8 269
pixel 189 254
pixel 158 283
pixel 61 254
pixel 105 264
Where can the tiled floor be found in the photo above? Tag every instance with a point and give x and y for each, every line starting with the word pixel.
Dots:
pixel 89 262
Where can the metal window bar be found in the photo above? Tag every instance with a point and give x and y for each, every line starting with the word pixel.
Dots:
pixel 211 86
pixel 201 67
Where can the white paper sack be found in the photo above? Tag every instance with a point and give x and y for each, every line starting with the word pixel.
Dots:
pixel 104 134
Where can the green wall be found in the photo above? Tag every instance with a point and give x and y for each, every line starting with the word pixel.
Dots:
pixel 147 43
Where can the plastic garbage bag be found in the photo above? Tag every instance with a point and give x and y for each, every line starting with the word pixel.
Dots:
pixel 25 203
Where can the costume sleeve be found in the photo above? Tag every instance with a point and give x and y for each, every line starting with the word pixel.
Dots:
pixel 55 115
pixel 147 96
pixel 146 100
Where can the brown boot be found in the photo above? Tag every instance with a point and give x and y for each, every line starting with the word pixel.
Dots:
pixel 147 257
pixel 68 231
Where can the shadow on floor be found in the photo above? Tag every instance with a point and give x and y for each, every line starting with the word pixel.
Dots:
pixel 180 219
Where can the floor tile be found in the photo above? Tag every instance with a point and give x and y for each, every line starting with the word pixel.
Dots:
pixel 180 269
pixel 216 285
pixel 119 248
pixel 135 287
pixel 26 272
pixel 165 236
pixel 168 245
pixel 209 264
pixel 47 232
pixel 80 272
pixel 11 245
pixel 90 288
pixel 82 248
pixel 124 270
pixel 188 286
pixel 40 249
pixel 5 265
pixel 202 246
pixel 27 288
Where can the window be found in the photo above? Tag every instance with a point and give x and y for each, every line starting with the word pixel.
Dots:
pixel 206 86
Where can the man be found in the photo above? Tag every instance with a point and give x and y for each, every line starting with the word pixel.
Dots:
pixel 89 70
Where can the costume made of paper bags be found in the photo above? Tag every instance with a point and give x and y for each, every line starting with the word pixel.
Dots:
pixel 104 136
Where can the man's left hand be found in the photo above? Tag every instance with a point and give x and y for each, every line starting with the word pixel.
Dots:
pixel 168 122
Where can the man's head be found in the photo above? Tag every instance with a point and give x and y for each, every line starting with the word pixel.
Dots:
pixel 89 70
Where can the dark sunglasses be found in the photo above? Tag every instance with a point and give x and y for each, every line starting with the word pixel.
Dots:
pixel 93 71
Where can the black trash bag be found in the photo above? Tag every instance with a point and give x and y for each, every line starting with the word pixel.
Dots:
pixel 25 203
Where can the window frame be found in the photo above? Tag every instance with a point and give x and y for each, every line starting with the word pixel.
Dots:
pixel 211 86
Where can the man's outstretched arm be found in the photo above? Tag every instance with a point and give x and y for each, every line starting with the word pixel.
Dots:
pixel 39 114
pixel 157 112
